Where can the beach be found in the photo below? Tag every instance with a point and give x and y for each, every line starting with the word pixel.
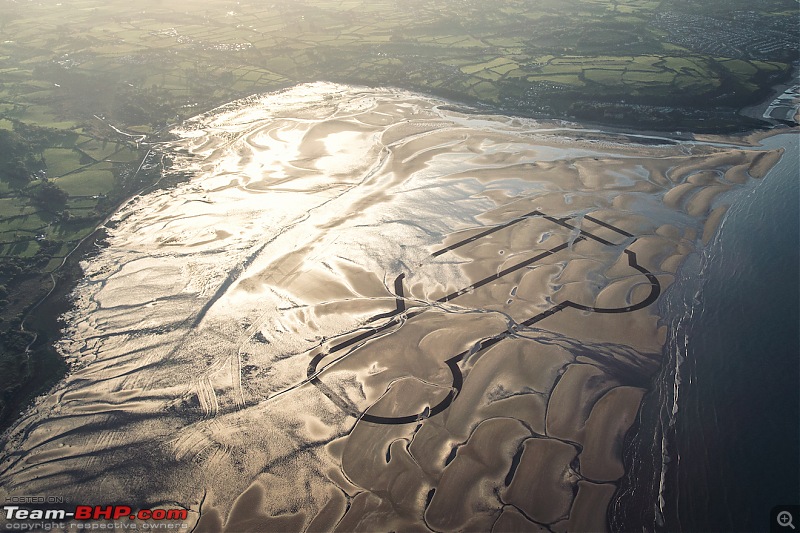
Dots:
pixel 366 310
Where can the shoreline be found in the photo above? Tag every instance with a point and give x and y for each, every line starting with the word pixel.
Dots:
pixel 757 110
pixel 648 497
pixel 178 248
pixel 746 137
pixel 64 279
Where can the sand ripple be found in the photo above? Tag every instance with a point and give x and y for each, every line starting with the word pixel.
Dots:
pixel 367 312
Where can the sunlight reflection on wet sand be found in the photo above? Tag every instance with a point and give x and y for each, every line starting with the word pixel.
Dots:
pixel 194 330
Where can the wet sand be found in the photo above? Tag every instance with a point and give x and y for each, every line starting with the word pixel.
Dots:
pixel 367 312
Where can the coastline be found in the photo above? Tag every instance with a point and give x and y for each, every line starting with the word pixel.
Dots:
pixel 502 170
pixel 43 314
pixel 687 437
pixel 757 110
pixel 62 298
pixel 761 234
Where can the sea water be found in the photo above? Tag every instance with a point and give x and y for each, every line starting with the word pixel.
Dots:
pixel 718 439
pixel 738 424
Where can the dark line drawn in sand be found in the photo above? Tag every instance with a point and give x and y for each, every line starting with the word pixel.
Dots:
pixel 400 315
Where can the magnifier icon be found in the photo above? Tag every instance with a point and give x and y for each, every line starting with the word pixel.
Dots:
pixel 785 519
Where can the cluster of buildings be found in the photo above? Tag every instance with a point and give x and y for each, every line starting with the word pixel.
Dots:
pixel 785 107
pixel 745 35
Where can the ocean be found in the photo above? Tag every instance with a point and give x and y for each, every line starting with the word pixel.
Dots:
pixel 717 442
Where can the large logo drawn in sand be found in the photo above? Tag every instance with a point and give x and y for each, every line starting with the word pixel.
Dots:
pixel 401 314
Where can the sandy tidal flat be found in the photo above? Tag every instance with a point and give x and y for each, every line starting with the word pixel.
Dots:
pixel 367 312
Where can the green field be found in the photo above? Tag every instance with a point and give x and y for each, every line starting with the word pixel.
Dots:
pixel 141 65
pixel 94 180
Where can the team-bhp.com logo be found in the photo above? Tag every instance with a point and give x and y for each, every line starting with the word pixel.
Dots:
pixel 90 517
